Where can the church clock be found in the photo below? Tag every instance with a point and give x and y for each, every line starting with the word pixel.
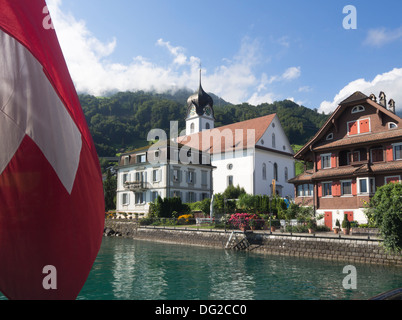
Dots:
pixel 193 111
pixel 208 111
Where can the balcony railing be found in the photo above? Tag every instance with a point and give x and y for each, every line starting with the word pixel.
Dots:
pixel 136 185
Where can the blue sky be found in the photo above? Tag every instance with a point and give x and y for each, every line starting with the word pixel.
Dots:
pixel 250 51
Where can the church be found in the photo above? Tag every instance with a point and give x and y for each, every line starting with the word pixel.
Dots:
pixel 254 154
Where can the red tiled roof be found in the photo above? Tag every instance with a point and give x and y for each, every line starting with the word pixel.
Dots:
pixel 360 139
pixel 387 166
pixel 303 177
pixel 235 136
pixel 348 171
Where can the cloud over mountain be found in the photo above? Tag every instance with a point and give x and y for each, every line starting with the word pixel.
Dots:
pixel 93 70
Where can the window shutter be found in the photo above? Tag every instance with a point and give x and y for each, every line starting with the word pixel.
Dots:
pixel 352 128
pixel 335 185
pixel 390 153
pixel 318 160
pixel 333 160
pixel 354 188
pixel 319 190
pixel 364 125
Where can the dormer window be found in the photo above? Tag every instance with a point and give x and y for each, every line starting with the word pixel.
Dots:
pixel 392 125
pixel 330 136
pixel 142 158
pixel 358 109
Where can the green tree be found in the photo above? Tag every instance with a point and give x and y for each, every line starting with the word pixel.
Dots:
pixel 109 189
pixel 232 192
pixel 385 212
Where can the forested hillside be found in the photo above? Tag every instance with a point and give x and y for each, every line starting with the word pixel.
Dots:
pixel 122 121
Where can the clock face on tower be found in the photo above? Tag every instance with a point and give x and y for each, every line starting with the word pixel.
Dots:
pixel 208 111
pixel 192 111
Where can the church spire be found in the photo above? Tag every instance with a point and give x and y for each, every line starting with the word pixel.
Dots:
pixel 200 99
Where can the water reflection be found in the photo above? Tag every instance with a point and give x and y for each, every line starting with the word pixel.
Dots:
pixel 133 270
pixel 235 283
pixel 137 274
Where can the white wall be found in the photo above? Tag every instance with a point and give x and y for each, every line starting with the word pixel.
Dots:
pixel 269 159
pixel 281 140
pixel 242 171
pixel 162 186
pixel 358 215
pixel 155 186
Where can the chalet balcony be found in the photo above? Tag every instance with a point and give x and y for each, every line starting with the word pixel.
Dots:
pixel 136 186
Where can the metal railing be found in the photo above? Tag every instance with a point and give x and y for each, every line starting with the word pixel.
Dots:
pixel 273 227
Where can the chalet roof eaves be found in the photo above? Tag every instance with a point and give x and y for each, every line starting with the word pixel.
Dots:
pixel 356 98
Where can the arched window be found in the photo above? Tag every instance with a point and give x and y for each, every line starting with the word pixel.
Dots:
pixel 286 174
pixel 358 109
pixel 207 126
pixel 276 171
pixel 392 125
pixel 264 171
pixel 273 141
pixel 192 128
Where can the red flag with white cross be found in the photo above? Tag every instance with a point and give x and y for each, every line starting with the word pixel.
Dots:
pixel 51 194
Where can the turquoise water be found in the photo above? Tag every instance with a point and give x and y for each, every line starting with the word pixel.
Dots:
pixel 137 270
pixel 126 269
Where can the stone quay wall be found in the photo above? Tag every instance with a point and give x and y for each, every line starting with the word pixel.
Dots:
pixel 348 249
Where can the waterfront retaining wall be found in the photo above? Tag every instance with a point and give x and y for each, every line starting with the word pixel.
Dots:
pixel 304 246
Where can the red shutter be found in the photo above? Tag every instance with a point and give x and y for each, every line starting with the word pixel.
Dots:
pixel 354 188
pixel 364 125
pixel 352 128
pixel 320 190
pixel 318 160
pixel 333 160
pixel 333 189
pixel 336 188
pixel 390 153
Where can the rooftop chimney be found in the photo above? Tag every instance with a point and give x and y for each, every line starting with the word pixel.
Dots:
pixel 372 97
pixel 391 104
pixel 383 100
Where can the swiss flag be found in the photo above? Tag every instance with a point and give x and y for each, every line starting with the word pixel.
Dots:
pixel 51 194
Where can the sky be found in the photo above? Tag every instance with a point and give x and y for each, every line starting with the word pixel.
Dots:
pixel 313 52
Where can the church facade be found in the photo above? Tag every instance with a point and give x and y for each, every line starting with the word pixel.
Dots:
pixel 254 154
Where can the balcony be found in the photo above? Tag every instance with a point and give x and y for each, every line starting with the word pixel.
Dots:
pixel 136 186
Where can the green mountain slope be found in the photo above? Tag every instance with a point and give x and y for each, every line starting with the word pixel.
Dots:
pixel 122 121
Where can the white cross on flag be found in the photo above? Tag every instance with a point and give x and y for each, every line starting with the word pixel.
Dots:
pixel 51 194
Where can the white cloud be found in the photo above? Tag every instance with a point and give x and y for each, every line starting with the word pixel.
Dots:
pixel 291 73
pixel 178 53
pixel 389 82
pixel 381 36
pixel 93 71
pixel 305 89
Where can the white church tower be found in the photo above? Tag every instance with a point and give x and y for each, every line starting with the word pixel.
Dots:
pixel 200 112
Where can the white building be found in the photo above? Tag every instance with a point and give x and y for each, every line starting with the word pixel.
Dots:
pixel 146 173
pixel 254 154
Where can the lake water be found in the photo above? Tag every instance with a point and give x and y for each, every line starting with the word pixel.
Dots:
pixel 137 270
pixel 127 269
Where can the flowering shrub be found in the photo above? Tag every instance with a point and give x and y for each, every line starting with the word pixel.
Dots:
pixel 243 220
pixel 184 219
